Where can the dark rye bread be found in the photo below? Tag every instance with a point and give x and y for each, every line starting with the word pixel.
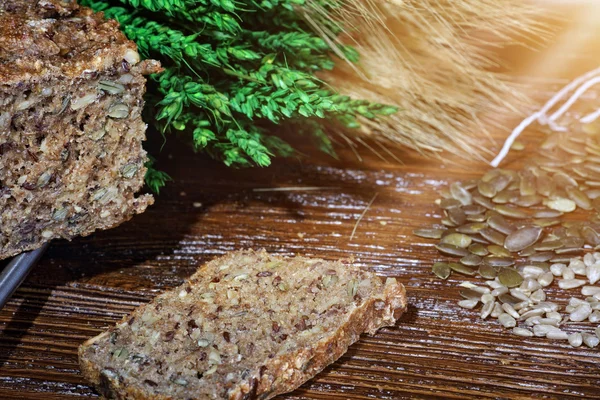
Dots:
pixel 71 88
pixel 248 325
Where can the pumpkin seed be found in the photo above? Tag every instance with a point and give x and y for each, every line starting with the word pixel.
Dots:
pixel 129 170
pixel 471 228
pixel 471 260
pixel 457 239
pixel 500 224
pixel 478 249
pixel 541 257
pixel 429 233
pixel 522 238
pixel 441 270
pixel 498 251
pixel 579 197
pixel 563 180
pixel 487 271
pixel 510 211
pixel 462 269
pixel 473 209
pixel 501 182
pixel 447 204
pixel 482 201
pixel 451 250
pixel 547 214
pixel 118 111
pixel 590 236
pixel 456 216
pixel 509 277
pixel 528 201
pixel 499 261
pixel 492 236
pixel 111 87
pixel 545 222
pixel 467 293
pixel 461 194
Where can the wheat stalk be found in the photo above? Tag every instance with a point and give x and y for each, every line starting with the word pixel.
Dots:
pixel 433 59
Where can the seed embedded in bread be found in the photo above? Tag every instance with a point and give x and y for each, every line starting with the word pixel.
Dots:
pixel 246 325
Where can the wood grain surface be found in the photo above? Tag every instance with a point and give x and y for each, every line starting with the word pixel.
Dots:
pixel 437 350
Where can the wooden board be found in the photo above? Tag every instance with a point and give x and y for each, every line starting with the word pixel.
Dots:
pixel 437 350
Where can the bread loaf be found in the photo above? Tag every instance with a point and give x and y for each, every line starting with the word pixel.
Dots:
pixel 71 157
pixel 247 325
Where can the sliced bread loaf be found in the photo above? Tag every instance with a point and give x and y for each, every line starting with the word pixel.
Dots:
pixel 246 325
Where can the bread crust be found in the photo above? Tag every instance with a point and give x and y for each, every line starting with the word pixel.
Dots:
pixel 284 372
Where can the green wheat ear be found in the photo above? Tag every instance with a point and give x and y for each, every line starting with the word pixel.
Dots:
pixel 234 70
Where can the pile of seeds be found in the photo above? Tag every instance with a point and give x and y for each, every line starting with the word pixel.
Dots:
pixel 511 228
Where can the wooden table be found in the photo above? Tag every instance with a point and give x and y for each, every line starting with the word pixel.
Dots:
pixel 437 350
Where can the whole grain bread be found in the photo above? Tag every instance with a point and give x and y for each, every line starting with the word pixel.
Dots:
pixel 247 325
pixel 71 157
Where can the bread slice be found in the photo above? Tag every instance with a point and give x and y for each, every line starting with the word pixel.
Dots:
pixel 246 325
pixel 71 132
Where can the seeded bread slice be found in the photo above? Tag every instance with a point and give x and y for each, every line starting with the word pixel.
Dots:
pixel 246 325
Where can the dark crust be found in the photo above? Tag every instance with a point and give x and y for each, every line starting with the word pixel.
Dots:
pixel 282 373
pixel 44 38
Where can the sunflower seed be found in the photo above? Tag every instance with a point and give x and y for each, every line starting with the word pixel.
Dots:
pixel 561 204
pixel 570 283
pixel 522 332
pixel 575 339
pixel 577 266
pixel 487 309
pixel 441 270
pixel 496 311
pixel 510 310
pixel 532 313
pixel 499 291
pixel 546 279
pixel 429 233
pixel 568 273
pixel 468 304
pixel 531 271
pixel 557 335
pixel 590 341
pixel 594 317
pixel 542 330
pixel 451 250
pixel 507 321
pixel 590 290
